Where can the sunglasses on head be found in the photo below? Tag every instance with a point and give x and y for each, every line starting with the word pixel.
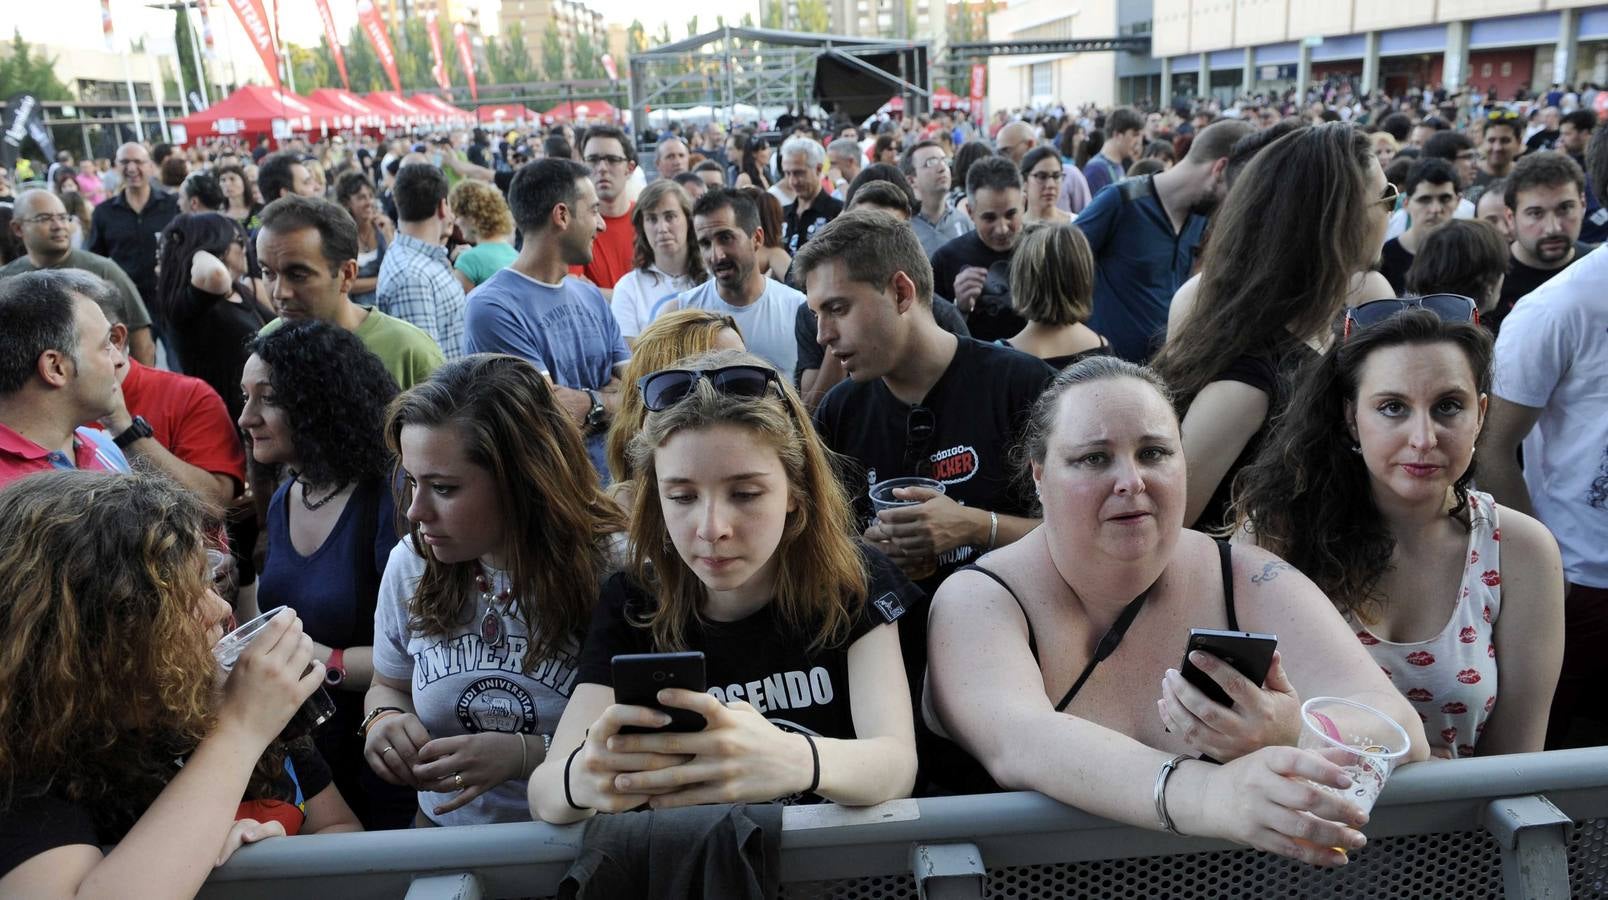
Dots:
pixel 667 387
pixel 1501 115
pixel 1450 307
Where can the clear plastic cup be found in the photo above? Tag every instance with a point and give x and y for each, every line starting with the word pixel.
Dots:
pixel 882 498
pixel 315 710
pixel 1363 741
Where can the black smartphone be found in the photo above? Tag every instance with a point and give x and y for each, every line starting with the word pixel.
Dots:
pixel 1250 654
pixel 639 677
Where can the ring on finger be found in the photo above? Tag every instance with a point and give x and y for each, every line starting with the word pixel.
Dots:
pixel 387 750
pixel 457 780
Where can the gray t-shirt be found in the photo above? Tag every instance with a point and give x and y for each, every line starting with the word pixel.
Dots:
pixel 767 324
pixel 462 685
pixel 133 310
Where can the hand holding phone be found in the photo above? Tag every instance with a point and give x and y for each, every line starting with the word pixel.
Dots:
pixel 1248 653
pixel 1263 711
pixel 639 677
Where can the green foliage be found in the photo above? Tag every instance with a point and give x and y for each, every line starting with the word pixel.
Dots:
pixel 588 59
pixel 24 70
pixel 636 38
pixel 508 57
pixel 193 69
pixel 773 15
pixel 812 16
pixel 363 64
pixel 552 53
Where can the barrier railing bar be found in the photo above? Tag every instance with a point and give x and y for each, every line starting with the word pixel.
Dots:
pixel 948 871
pixel 1534 836
pixel 462 886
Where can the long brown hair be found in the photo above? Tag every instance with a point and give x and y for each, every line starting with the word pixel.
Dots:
pixel 672 336
pixel 820 579
pixel 103 655
pixel 558 521
pixel 1285 245
pixel 650 198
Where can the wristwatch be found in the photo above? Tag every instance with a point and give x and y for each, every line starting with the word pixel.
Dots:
pixel 335 669
pixel 595 416
pixel 136 430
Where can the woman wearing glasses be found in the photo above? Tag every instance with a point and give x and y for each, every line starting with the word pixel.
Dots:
pixel 1042 173
pixel 1366 487
pixel 1276 273
pixel 742 549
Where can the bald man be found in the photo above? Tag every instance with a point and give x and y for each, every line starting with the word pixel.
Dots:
pixel 125 227
pixel 671 157
pixel 40 221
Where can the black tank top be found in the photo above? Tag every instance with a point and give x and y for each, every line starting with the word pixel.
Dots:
pixel 1113 637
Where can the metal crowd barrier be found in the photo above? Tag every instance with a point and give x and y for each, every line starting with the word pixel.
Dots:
pixel 1527 826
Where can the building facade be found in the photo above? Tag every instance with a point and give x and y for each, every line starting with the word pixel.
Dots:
pixel 1101 77
pixel 1236 47
pixel 572 19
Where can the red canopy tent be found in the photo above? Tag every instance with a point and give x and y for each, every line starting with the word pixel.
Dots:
pixel 440 107
pixel 942 98
pixel 254 109
pixel 506 114
pixel 354 112
pixel 397 110
pixel 591 110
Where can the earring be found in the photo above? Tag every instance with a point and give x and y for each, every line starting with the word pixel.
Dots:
pixel 1356 447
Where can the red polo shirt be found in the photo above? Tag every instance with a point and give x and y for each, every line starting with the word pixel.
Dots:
pixel 188 417
pixel 612 252
pixel 20 456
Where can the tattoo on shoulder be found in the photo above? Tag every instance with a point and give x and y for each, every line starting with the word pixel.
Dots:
pixel 1271 571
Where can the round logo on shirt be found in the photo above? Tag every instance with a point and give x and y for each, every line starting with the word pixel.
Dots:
pixel 497 704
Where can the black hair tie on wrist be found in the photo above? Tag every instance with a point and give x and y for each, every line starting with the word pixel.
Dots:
pixel 815 763
pixel 568 797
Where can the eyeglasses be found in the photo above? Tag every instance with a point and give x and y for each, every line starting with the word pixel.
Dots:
pixel 1048 176
pixel 1450 307
pixel 131 162
pixel 933 162
pixel 49 219
pixel 1389 197
pixel 920 426
pixel 597 160
pixel 667 387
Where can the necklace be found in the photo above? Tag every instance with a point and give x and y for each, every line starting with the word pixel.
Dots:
pixel 492 629
pixel 314 505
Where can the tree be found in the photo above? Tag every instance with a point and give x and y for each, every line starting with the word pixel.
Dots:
pixel 363 64
pixel 518 66
pixel 552 53
pixel 773 15
pixel 588 62
pixel 636 38
pixel 23 70
pixel 194 70
pixel 812 16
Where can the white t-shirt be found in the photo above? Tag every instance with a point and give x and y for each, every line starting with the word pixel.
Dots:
pixel 767 324
pixel 462 685
pixel 640 295
pixel 1552 355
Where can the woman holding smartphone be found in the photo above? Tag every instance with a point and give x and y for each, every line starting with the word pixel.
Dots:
pixel 743 550
pixel 483 605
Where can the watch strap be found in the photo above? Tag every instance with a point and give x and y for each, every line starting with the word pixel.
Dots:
pixel 137 429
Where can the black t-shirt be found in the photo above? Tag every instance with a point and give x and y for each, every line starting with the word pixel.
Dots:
pixel 1521 280
pixel 1061 363
pixel 980 406
pixel 42 822
pixel 1394 261
pixel 759 659
pixel 811 354
pixel 992 318
pixel 209 334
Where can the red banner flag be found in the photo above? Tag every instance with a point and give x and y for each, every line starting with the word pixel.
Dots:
pixel 979 77
pixel 255 21
pixel 106 25
pixel 369 17
pixel 466 58
pixel 206 29
pixel 329 35
pixel 439 70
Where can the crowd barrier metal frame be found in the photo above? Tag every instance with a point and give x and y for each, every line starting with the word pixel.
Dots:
pixel 1522 808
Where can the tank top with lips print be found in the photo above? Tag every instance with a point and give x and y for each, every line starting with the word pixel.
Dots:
pixel 1450 679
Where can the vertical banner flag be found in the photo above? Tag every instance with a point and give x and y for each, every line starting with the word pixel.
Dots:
pixel 467 59
pixel 439 70
pixel 610 67
pixel 24 118
pixel 369 17
pixel 979 76
pixel 255 21
pixel 106 22
pixel 206 29
pixel 329 35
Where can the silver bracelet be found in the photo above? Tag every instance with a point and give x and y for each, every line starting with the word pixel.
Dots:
pixel 1161 793
pixel 993 529
pixel 524 756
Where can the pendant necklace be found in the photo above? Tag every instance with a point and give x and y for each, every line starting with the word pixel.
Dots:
pixel 492 629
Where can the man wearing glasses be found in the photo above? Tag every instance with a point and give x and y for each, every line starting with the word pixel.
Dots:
pixel 42 224
pixel 125 228
pixel 936 223
pixel 608 153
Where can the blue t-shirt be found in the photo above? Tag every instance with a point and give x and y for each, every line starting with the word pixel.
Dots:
pixel 1099 172
pixel 567 330
pixel 1140 262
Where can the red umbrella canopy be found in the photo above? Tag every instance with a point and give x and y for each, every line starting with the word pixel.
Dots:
pixel 354 112
pixel 505 112
pixel 398 111
pixel 253 109
pixel 440 107
pixel 591 110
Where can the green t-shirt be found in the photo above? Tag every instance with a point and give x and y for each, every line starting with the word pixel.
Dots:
pixel 132 309
pixel 408 353
pixel 484 259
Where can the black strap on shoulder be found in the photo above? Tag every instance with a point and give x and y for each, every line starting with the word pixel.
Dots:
pixel 1032 645
pixel 1225 556
pixel 1108 645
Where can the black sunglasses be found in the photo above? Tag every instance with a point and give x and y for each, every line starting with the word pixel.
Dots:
pixel 666 387
pixel 920 426
pixel 1450 307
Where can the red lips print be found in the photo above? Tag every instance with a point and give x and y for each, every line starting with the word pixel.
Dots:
pixel 1469 676
pixel 1454 708
pixel 1473 557
pixel 1491 577
pixel 1367 639
pixel 1449 735
pixel 1487 615
pixel 1490 703
pixel 1420 695
pixel 1468 635
pixel 1496 535
pixel 1490 650
pixel 1464 751
pixel 1421 658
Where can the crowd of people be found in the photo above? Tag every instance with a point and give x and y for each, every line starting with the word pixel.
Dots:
pixel 483 412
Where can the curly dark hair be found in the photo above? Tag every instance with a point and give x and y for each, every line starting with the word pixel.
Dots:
pixel 334 391
pixel 1307 497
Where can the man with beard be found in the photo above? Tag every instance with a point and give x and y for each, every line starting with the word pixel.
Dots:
pixel 765 310
pixel 1547 195
pixel 1144 236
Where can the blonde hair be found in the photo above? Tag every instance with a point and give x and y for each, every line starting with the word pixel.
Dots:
pixel 820 575
pixel 673 336
pixel 1052 275
pixel 483 206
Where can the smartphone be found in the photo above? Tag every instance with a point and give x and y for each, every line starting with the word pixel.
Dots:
pixel 639 677
pixel 1249 653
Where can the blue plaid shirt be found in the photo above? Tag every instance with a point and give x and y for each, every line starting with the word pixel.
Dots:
pixel 417 286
